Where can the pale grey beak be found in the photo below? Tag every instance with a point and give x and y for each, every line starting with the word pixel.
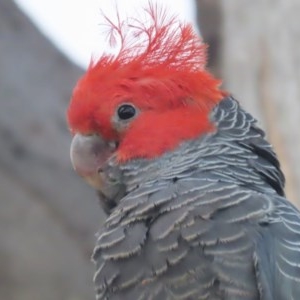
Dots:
pixel 89 153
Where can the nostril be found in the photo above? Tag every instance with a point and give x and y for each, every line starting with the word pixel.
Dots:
pixel 113 145
pixel 100 170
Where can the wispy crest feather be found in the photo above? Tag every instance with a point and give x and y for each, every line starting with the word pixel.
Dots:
pixel 161 39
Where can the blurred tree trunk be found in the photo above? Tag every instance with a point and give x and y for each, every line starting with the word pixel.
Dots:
pixel 209 18
pixel 259 60
pixel 47 214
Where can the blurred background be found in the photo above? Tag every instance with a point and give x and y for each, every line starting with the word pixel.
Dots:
pixel 48 216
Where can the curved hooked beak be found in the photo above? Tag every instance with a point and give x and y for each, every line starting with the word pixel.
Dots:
pixel 89 154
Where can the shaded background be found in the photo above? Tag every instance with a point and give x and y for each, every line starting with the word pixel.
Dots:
pixel 48 216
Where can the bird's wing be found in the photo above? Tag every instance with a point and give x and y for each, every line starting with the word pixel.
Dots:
pixel 278 252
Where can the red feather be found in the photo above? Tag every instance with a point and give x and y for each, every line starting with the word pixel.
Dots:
pixel 160 67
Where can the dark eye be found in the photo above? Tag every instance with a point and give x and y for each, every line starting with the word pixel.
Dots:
pixel 126 111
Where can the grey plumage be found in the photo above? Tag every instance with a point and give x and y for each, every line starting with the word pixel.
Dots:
pixel 207 221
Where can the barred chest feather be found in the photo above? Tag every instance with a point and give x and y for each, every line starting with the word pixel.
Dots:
pixel 191 223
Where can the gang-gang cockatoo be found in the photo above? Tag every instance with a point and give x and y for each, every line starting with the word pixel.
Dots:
pixel 192 190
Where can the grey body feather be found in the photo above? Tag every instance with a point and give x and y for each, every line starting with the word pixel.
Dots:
pixel 207 221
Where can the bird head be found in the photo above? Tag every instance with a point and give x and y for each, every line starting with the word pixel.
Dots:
pixel 144 101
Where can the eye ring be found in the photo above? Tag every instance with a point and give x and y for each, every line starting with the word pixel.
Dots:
pixel 126 111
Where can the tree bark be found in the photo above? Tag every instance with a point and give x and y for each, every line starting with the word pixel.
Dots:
pixel 259 61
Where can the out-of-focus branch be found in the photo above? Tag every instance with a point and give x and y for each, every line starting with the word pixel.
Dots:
pixel 47 215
